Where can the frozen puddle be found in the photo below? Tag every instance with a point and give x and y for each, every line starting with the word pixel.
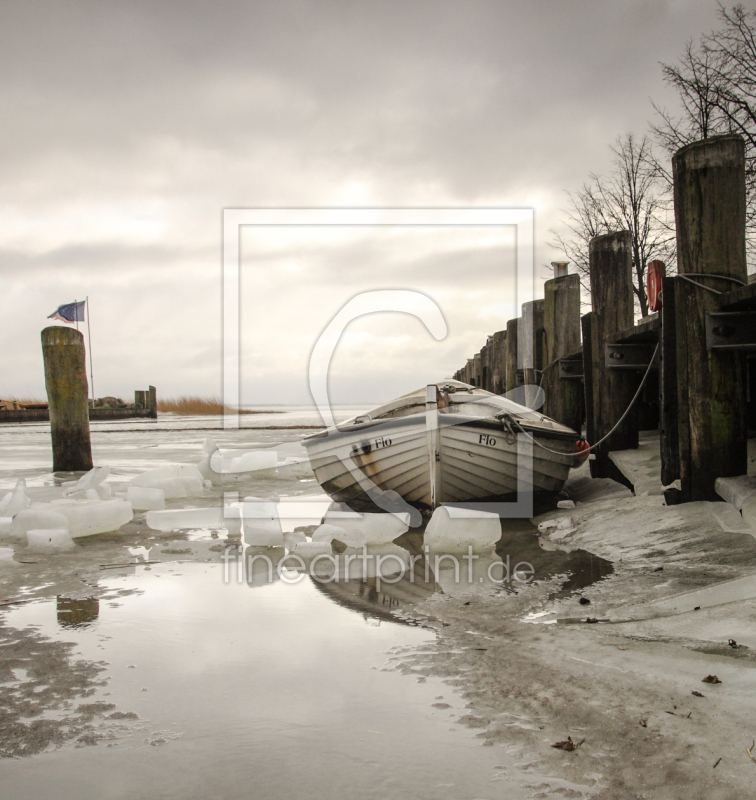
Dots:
pixel 250 692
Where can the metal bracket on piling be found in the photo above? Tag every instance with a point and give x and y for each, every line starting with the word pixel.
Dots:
pixel 731 330
pixel 571 368
pixel 628 356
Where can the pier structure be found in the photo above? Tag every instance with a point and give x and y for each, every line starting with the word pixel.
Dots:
pixel 685 368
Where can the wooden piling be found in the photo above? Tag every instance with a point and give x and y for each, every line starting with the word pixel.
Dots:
pixel 561 321
pixel 530 344
pixel 709 194
pixel 67 394
pixel 668 411
pixel 499 363
pixel 477 370
pixel 588 326
pixel 152 401
pixel 511 355
pixel 610 263
pixel 485 365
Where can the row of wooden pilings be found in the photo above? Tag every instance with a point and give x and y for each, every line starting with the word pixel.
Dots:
pixel 701 388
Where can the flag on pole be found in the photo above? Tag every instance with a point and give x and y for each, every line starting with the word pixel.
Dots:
pixel 71 312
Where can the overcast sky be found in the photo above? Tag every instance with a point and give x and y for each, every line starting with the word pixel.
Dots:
pixel 127 128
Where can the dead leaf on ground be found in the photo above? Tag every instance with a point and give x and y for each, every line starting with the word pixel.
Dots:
pixel 568 744
pixel 749 750
pixel 697 694
pixel 643 723
pixel 711 679
pixel 591 620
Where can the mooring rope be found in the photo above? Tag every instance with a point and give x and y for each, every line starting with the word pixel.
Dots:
pixel 511 419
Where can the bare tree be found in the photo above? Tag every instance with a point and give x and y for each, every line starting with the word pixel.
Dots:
pixel 632 196
pixel 716 83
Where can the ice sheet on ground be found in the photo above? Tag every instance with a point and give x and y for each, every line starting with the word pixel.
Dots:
pixel 455 529
pixel 144 499
pixel 328 532
pixel 50 539
pixel 230 464
pixel 6 555
pixel 90 480
pixel 376 528
pixel 37 518
pixel 89 517
pixel 214 518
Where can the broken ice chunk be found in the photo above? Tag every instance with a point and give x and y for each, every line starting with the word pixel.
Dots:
pixel 37 518
pixel 90 480
pixel 176 480
pixel 351 538
pixel 290 540
pixel 89 517
pixel 144 499
pixel 6 555
pixel 376 528
pixel 50 539
pixel 456 529
pixel 250 461
pixel 16 501
pixel 262 526
pixel 308 550
pixel 261 565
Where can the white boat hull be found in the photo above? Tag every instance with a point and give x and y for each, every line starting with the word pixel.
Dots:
pixel 477 459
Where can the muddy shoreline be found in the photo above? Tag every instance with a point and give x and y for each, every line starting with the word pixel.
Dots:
pixel 534 672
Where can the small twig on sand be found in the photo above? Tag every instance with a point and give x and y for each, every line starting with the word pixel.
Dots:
pixel 16 602
pixel 749 750
pixel 128 564
pixel 568 744
pixel 717 762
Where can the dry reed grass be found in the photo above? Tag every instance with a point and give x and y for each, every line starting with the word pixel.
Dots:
pixel 192 405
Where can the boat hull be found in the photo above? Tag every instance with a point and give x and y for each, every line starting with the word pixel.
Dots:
pixel 477 459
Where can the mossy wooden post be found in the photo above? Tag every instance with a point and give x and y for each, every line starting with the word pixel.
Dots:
pixel 610 263
pixel 511 356
pixel 561 322
pixel 67 394
pixel 710 213
pixel 588 327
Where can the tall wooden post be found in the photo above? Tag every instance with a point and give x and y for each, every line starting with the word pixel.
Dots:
pixel 499 365
pixel 478 370
pixel 511 358
pixel 709 191
pixel 67 394
pixel 561 321
pixel 669 448
pixel 610 262
pixel 588 326
pixel 530 343
pixel 152 401
pixel 485 366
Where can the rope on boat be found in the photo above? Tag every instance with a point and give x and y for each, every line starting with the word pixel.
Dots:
pixel 511 420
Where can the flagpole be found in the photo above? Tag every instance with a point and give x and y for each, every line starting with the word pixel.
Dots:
pixel 89 334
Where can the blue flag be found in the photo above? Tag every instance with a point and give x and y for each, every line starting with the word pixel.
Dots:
pixel 71 312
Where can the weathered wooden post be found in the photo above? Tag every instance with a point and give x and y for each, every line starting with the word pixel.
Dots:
pixel 610 263
pixel 477 370
pixel 485 365
pixel 140 398
pixel 709 192
pixel 669 443
pixel 499 366
pixel 530 341
pixel 67 394
pixel 470 371
pixel 511 358
pixel 152 401
pixel 561 321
